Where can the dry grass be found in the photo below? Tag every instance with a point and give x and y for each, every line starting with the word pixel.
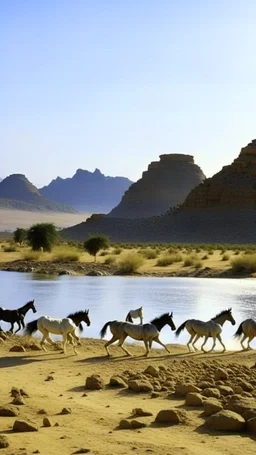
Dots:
pixel 130 263
pixel 30 255
pixel 246 262
pixel 66 254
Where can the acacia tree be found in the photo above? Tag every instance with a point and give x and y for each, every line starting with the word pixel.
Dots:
pixel 19 235
pixel 42 236
pixel 95 243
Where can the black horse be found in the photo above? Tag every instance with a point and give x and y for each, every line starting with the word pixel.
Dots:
pixel 17 316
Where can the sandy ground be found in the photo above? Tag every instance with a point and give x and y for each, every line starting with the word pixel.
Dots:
pixel 11 219
pixel 94 418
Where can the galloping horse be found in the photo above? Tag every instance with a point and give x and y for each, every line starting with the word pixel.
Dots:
pixel 134 314
pixel 212 328
pixel 148 332
pixel 18 315
pixel 65 327
pixel 247 328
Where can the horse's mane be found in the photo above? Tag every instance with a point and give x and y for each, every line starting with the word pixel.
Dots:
pixel 156 320
pixel 77 313
pixel 222 313
pixel 28 303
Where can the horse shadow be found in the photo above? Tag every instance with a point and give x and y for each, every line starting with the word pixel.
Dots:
pixel 9 361
pixel 124 358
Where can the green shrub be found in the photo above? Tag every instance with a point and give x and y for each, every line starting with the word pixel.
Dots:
pixel 9 248
pixel 110 260
pixel 225 257
pixel 31 255
pixel 169 259
pixel 95 243
pixel 244 263
pixel 19 235
pixel 148 253
pixel 42 235
pixel 205 257
pixel 66 255
pixel 188 262
pixel 198 264
pixel 130 262
pixel 117 250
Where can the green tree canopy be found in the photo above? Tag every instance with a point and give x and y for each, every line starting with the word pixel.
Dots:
pixel 19 235
pixel 42 235
pixel 95 243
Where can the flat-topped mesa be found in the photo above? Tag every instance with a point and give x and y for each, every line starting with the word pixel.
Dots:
pixel 165 184
pixel 233 187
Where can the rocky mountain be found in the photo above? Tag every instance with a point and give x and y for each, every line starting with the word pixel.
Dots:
pixel 165 184
pixel 220 209
pixel 88 191
pixel 16 192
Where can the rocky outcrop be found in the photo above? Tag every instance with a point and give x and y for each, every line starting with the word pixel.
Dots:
pixel 88 191
pixel 165 184
pixel 233 187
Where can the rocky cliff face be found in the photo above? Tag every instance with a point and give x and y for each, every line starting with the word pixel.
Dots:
pixel 165 184
pixel 233 187
pixel 88 191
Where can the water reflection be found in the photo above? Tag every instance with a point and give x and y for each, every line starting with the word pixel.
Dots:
pixel 111 298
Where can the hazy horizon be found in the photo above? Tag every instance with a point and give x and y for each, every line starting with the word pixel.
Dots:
pixel 114 84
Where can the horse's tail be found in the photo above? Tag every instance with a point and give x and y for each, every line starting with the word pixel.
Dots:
pixel 31 327
pixel 181 327
pixel 239 331
pixel 104 329
pixel 129 318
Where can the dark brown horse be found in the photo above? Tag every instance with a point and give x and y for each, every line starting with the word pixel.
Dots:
pixel 17 316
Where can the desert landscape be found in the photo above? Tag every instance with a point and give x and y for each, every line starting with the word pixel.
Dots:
pixel 51 393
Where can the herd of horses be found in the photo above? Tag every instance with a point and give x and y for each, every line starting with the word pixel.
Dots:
pixel 146 332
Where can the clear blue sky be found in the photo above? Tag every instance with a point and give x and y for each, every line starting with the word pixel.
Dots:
pixel 115 83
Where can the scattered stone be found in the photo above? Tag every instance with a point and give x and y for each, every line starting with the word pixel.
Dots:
pixel 49 378
pixel 65 411
pixel 225 390
pixel 17 348
pixel 117 381
pixel 237 389
pixel 194 399
pixel 3 442
pixel 138 412
pixel 205 384
pixel 124 424
pixel 241 404
pixel 181 390
pixel 220 373
pixel 152 370
pixel 140 385
pixel 226 421
pixel 42 411
pixel 14 391
pixel 155 395
pixel 246 386
pixel 18 400
pixel 249 414
pixel 85 395
pixel 8 411
pixel 82 451
pixel 56 424
pixel 211 392
pixel 94 382
pixel 171 416
pixel 251 425
pixel 47 422
pixel 21 426
pixel 131 425
pixel 212 406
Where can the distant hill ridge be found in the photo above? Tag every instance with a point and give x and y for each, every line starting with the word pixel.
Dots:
pixel 17 192
pixel 88 191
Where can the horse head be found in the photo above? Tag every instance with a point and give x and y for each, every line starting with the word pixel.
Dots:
pixel 32 306
pixel 170 321
pixel 86 318
pixel 230 316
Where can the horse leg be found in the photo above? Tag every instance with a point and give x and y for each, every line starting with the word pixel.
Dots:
pixel 45 334
pixel 189 341
pixel 214 344
pixel 121 342
pixel 162 344
pixel 241 342
pixel 147 348
pixel 221 342
pixel 72 337
pixel 195 340
pixel 64 336
pixel 113 339
pixel 18 322
pixel 205 341
pixel 11 329
pixel 250 338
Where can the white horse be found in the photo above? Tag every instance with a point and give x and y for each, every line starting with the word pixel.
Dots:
pixel 212 328
pixel 247 328
pixel 65 327
pixel 134 314
pixel 143 332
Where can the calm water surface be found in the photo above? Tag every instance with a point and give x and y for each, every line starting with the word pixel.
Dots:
pixel 111 298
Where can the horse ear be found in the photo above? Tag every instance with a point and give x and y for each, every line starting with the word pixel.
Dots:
pixel 171 314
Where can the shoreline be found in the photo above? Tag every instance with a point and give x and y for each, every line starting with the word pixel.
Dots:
pixel 99 269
